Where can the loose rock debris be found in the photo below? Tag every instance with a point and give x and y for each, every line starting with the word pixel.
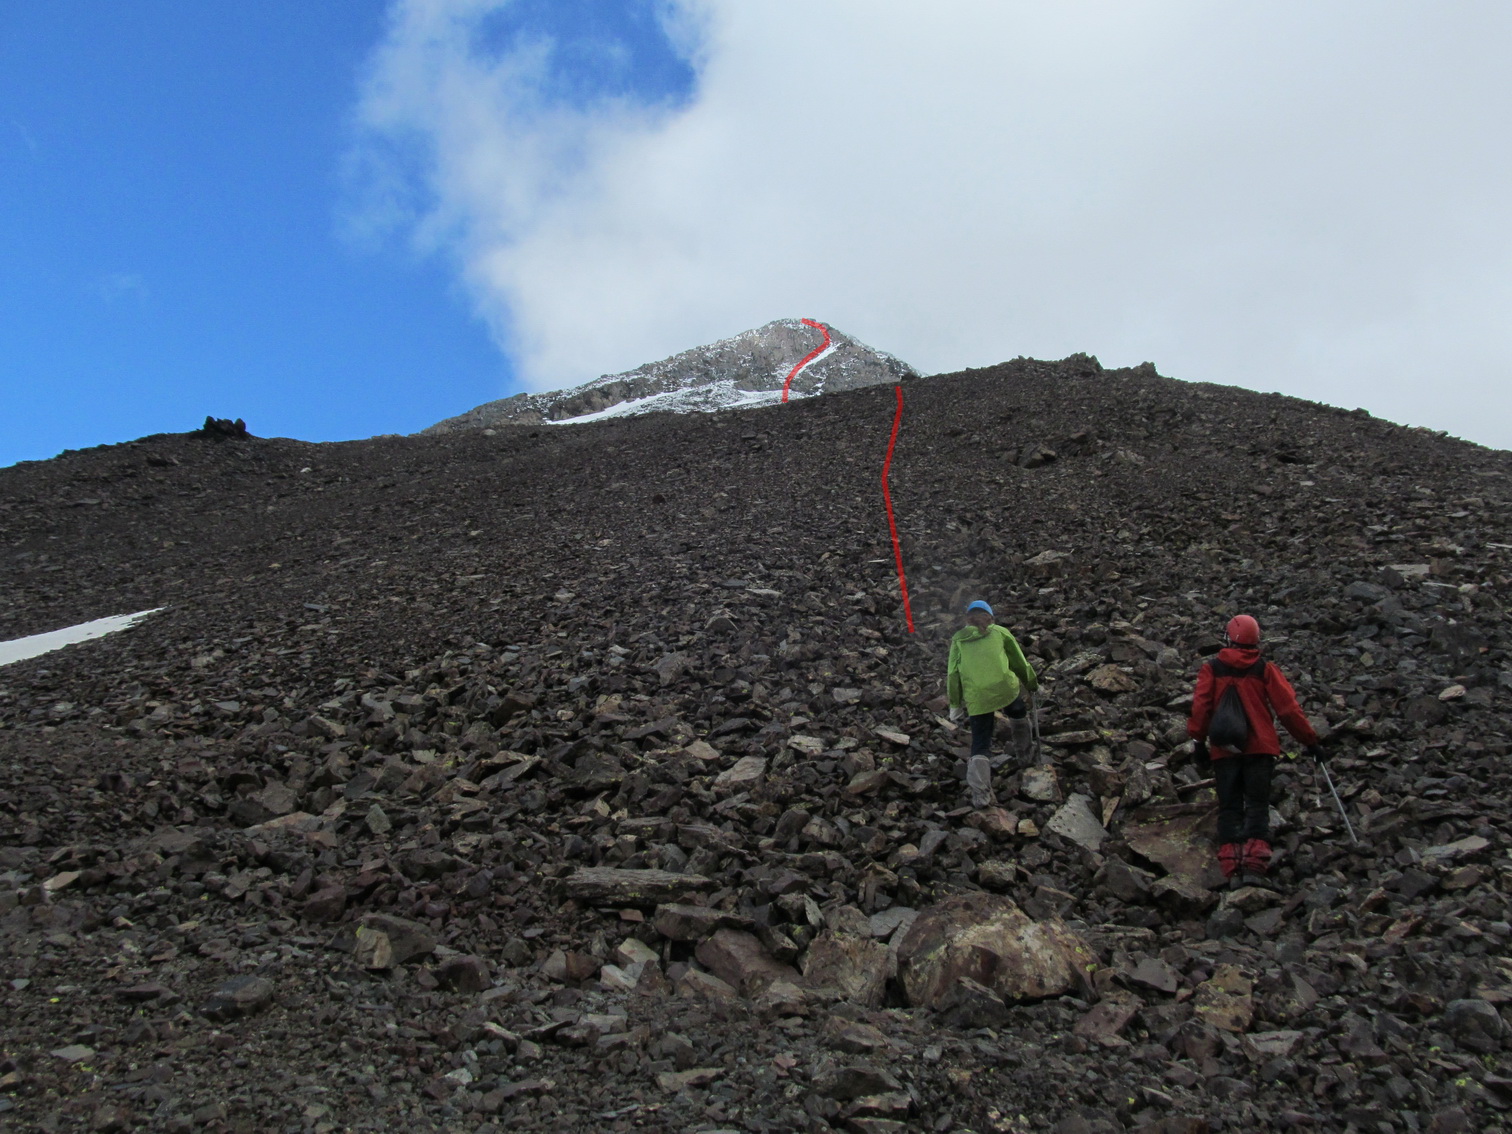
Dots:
pixel 586 780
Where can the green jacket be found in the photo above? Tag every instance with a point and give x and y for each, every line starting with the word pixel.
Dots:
pixel 987 670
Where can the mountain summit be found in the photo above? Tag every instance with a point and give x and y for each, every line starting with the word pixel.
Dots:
pixel 749 369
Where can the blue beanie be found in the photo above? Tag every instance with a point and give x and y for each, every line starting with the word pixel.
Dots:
pixel 979 605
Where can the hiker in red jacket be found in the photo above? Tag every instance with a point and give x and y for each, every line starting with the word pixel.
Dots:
pixel 1242 774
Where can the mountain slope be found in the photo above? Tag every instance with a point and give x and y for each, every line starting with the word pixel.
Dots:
pixel 749 369
pixel 369 632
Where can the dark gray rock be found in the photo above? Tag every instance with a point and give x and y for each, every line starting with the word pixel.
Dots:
pixel 1474 1024
pixel 239 996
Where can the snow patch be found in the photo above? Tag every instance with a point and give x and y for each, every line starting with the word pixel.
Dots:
pixel 700 399
pixel 815 361
pixel 19 649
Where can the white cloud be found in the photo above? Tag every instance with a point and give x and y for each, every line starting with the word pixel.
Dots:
pixel 1283 195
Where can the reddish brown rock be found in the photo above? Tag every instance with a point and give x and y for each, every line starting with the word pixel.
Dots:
pixel 856 968
pixel 325 904
pixel 988 938
pixel 680 922
pixel 738 959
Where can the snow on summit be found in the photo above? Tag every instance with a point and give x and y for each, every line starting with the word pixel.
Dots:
pixel 747 369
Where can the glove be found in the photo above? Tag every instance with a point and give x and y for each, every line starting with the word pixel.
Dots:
pixel 1315 751
pixel 957 713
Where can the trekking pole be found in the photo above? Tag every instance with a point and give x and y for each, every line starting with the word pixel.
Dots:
pixel 1339 802
pixel 1034 732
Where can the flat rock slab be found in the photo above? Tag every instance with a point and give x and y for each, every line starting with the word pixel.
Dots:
pixel 1178 837
pixel 1075 820
pixel 1448 852
pixel 744 775
pixel 987 938
pixel 1154 973
pixel 612 886
pixel 1040 784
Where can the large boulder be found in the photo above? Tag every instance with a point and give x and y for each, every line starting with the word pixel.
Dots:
pixel 986 938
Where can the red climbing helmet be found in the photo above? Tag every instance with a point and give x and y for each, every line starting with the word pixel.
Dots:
pixel 1242 630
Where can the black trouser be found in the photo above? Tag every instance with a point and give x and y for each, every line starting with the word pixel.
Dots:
pixel 982 725
pixel 1243 784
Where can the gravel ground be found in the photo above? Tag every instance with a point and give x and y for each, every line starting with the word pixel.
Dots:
pixel 351 836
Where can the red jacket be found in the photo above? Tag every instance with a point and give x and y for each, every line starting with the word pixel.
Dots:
pixel 1261 696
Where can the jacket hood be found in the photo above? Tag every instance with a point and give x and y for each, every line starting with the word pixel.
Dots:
pixel 1240 657
pixel 971 633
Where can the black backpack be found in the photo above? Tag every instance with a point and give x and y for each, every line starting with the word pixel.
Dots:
pixel 1230 728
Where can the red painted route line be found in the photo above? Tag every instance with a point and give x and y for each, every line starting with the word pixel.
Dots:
pixel 892 525
pixel 808 358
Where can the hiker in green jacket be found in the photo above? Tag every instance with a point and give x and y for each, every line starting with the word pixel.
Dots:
pixel 987 671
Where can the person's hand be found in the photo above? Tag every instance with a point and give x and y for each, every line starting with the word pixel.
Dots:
pixel 1315 751
pixel 1200 749
pixel 957 713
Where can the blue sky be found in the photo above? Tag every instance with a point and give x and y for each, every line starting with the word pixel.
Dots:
pixel 181 221
pixel 338 218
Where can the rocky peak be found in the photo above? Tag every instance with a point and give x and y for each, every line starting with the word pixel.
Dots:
pixel 748 369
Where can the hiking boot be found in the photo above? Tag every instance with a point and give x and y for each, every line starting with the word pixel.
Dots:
pixel 1256 856
pixel 1228 858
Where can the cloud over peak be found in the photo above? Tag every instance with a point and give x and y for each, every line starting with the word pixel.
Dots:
pixel 1281 195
